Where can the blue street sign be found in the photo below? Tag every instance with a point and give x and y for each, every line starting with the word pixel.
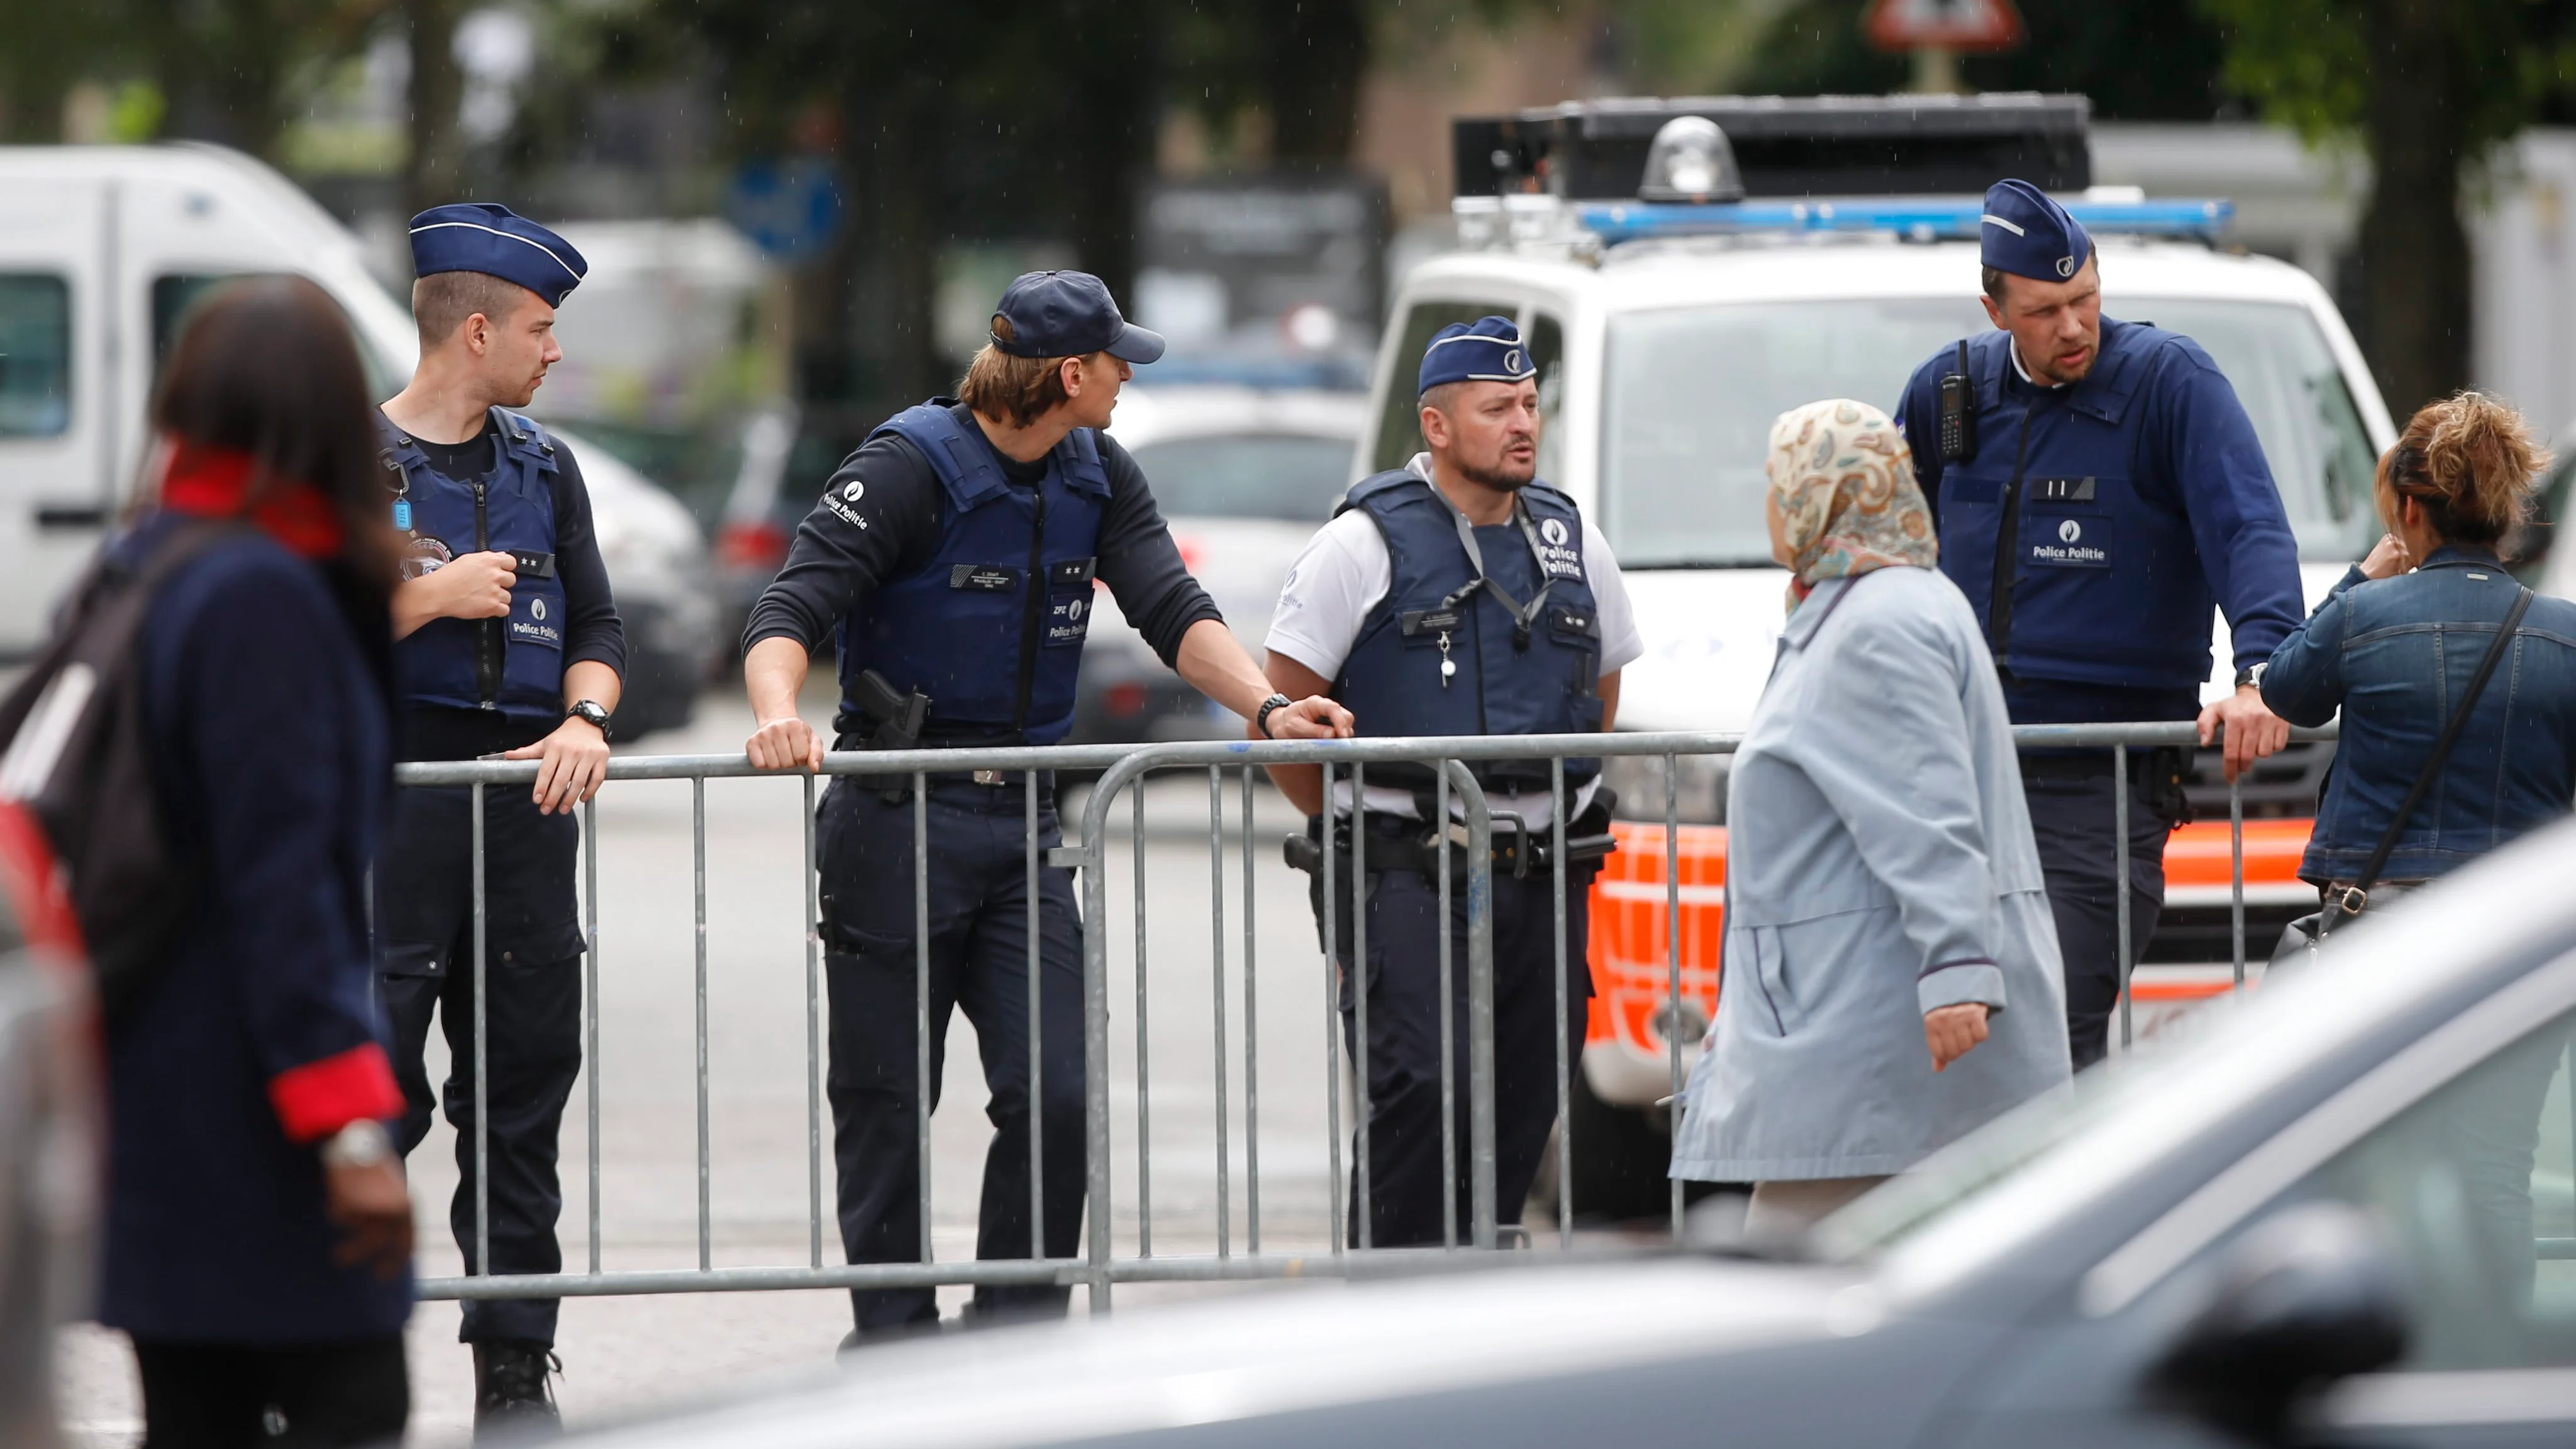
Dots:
pixel 790 209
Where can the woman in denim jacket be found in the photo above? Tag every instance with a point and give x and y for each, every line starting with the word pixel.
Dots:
pixel 2394 645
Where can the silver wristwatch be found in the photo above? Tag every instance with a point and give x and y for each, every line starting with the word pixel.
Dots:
pixel 590 710
pixel 362 1143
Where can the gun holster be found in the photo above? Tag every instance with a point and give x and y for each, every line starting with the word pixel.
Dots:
pixel 899 718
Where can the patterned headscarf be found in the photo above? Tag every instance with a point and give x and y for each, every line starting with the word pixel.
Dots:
pixel 1844 479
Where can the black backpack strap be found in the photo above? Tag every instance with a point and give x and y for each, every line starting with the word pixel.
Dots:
pixel 2451 731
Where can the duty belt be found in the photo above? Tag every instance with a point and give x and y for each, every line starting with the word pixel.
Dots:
pixel 1519 851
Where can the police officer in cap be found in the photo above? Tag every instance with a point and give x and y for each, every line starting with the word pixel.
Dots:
pixel 510 645
pixel 952 561
pixel 1458 595
pixel 2098 487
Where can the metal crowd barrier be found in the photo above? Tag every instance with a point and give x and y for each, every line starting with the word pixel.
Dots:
pixel 1125 767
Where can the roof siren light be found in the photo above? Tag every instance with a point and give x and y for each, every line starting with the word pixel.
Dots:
pixel 1691 161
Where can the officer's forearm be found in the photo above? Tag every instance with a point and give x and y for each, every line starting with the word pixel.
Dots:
pixel 1302 784
pixel 592 680
pixel 773 674
pixel 415 602
pixel 1609 690
pixel 1215 665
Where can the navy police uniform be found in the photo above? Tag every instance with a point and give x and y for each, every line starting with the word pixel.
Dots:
pixel 945 569
pixel 475 687
pixel 1484 629
pixel 2093 526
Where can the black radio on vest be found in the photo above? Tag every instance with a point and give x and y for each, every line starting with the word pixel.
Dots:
pixel 1959 413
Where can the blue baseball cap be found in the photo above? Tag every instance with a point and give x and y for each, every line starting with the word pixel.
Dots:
pixel 1068 314
pixel 1485 350
pixel 2029 235
pixel 481 237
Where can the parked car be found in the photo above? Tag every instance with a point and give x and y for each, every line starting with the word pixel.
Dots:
pixel 1244 476
pixel 2337 1214
pixel 664 581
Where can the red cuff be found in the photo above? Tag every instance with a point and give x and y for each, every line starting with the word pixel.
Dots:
pixel 319 1098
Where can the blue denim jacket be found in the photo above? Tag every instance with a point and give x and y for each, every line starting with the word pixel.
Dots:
pixel 2394 655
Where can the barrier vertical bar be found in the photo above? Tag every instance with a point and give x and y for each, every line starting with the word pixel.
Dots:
pixel 1364 1191
pixel 2236 872
pixel 1037 1018
pixel 1144 1097
pixel 1564 1067
pixel 590 1003
pixel 1448 1029
pixel 2120 865
pixel 1216 959
pixel 482 1059
pixel 813 1039
pixel 1673 960
pixel 921 1001
pixel 1482 1213
pixel 1333 1202
pixel 1251 1045
pixel 698 854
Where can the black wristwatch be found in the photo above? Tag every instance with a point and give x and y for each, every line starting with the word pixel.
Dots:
pixel 1261 721
pixel 2252 674
pixel 589 709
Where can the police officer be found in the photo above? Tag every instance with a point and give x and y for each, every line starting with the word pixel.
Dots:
pixel 1457 595
pixel 2098 487
pixel 510 645
pixel 952 561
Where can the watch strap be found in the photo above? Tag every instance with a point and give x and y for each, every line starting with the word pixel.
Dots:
pixel 1261 721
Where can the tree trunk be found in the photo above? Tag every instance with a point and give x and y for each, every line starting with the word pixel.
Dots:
pixel 1109 133
pixel 1317 52
pixel 894 258
pixel 433 174
pixel 2414 250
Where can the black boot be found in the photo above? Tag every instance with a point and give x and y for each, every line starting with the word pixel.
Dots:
pixel 510 1395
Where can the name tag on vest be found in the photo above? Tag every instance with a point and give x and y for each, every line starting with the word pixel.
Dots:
pixel 1431 621
pixel 991 578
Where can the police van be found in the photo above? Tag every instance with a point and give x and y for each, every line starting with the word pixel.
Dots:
pixel 1670 330
pixel 103 248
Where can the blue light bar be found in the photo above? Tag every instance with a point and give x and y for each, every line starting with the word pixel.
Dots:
pixel 1915 219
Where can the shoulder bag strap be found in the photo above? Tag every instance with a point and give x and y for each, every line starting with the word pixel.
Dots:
pixel 2441 751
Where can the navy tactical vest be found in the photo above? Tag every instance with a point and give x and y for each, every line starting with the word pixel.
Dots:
pixel 2103 581
pixel 513 665
pixel 992 627
pixel 1546 681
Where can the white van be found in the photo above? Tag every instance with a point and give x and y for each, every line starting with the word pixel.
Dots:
pixel 1668 338
pixel 102 248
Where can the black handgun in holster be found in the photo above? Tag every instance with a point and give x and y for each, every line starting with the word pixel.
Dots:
pixel 899 717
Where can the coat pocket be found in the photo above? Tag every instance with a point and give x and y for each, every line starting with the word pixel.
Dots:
pixel 1780 1011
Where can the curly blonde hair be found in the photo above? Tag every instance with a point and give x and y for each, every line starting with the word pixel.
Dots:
pixel 2471 461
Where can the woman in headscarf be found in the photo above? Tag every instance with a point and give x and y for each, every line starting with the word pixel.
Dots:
pixel 1891 974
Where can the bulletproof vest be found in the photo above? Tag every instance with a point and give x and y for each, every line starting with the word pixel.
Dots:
pixel 514 664
pixel 1537 675
pixel 2099 579
pixel 991 628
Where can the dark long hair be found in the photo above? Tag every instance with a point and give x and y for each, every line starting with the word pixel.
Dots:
pixel 266 366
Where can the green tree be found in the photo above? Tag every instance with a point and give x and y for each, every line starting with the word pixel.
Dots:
pixel 2428 88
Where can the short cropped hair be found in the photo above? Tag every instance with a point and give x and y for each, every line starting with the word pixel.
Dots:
pixel 441 301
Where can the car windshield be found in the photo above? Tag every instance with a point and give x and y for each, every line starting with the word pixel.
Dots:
pixel 1292 476
pixel 1690 394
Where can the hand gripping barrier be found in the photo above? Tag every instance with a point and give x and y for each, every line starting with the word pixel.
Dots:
pixel 1101 1264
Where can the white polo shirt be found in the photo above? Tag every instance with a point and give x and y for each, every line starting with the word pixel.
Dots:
pixel 1346 572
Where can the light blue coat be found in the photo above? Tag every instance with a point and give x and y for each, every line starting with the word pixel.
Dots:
pixel 1879 865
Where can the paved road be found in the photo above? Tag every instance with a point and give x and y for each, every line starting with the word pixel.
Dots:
pixel 622 1353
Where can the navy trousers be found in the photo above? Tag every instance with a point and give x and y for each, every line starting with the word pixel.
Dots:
pixel 425 944
pixel 2075 822
pixel 1403 984
pixel 979 962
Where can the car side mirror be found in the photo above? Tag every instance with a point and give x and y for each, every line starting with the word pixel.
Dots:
pixel 2310 1295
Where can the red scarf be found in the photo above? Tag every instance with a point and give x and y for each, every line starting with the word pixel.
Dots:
pixel 215 483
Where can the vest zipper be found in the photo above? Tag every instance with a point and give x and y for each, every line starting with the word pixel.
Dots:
pixel 487 632
pixel 1033 617
pixel 1999 604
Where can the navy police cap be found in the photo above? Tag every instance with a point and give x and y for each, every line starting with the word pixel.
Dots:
pixel 481 237
pixel 2029 235
pixel 1068 314
pixel 1485 350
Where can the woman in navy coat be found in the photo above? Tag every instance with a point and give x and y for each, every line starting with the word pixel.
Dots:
pixel 258 1237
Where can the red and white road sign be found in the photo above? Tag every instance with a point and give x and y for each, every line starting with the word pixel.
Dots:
pixel 1971 25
